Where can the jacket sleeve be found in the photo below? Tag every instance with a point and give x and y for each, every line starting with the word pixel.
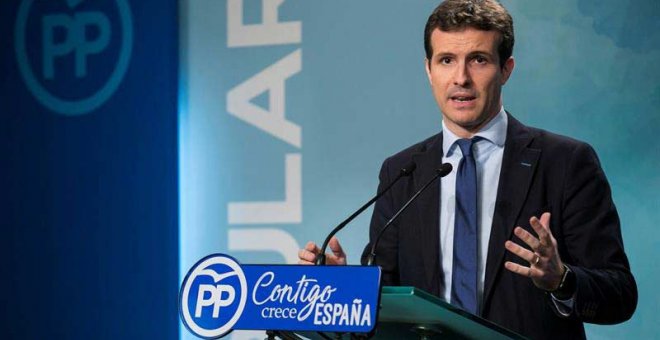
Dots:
pixel 592 244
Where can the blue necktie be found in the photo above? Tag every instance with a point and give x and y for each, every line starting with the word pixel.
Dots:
pixel 464 271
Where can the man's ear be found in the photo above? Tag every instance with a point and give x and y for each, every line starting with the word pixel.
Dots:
pixel 427 67
pixel 507 69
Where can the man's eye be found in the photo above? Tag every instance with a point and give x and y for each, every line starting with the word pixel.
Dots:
pixel 445 60
pixel 480 60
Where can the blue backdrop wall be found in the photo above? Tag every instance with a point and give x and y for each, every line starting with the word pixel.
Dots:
pixel 89 177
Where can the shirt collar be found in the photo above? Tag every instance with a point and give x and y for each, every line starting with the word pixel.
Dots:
pixel 494 132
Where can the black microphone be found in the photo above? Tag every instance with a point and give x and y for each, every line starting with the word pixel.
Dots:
pixel 442 171
pixel 405 171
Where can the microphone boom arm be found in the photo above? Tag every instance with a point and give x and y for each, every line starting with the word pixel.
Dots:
pixel 442 171
pixel 406 171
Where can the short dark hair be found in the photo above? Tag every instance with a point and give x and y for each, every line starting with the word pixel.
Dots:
pixel 485 15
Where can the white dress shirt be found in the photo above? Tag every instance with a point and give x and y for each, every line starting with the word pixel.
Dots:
pixel 488 152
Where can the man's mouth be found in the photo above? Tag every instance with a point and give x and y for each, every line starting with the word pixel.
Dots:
pixel 462 99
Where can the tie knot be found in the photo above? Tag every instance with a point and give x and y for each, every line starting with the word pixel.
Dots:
pixel 466 145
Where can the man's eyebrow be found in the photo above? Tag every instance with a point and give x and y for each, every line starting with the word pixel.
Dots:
pixel 486 53
pixel 445 54
pixel 470 54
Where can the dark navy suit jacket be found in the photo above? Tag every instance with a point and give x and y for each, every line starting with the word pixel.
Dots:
pixel 540 172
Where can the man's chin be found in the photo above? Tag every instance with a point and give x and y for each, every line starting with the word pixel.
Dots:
pixel 470 122
pixel 464 118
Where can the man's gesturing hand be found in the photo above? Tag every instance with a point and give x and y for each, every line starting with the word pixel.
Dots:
pixel 308 254
pixel 545 267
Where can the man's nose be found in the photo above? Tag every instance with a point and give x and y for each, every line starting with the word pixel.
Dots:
pixel 462 75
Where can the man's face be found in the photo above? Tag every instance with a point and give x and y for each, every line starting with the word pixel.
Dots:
pixel 466 78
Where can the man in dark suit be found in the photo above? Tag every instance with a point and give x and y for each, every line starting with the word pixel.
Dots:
pixel 523 232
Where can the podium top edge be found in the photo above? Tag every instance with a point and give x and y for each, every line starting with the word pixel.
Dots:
pixel 402 291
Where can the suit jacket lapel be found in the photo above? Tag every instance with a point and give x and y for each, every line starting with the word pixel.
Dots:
pixel 428 206
pixel 518 167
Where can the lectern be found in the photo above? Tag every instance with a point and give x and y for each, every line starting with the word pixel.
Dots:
pixel 219 295
pixel 410 313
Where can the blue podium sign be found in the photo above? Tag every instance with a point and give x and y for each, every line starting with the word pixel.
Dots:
pixel 218 295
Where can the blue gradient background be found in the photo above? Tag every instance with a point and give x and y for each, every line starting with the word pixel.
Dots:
pixel 88 204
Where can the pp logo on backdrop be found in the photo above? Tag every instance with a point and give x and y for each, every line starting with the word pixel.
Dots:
pixel 213 296
pixel 73 54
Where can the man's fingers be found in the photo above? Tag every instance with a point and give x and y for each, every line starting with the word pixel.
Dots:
pixel 522 270
pixel 518 269
pixel 338 256
pixel 306 255
pixel 524 235
pixel 311 246
pixel 542 228
pixel 336 247
pixel 545 220
pixel 543 258
pixel 525 254
pixel 538 228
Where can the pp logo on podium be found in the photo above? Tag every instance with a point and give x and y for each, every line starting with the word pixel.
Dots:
pixel 213 296
pixel 73 54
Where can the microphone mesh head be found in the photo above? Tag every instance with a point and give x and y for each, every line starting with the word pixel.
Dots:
pixel 409 168
pixel 444 169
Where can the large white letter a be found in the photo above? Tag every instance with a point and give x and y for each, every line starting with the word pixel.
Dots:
pixel 271 79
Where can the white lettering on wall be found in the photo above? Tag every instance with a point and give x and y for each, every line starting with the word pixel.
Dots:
pixel 271 79
pixel 269 32
pixel 273 121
